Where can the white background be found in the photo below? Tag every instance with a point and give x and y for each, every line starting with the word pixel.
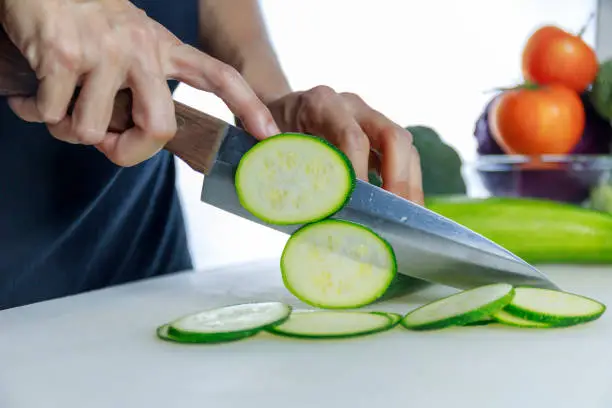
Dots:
pixel 419 62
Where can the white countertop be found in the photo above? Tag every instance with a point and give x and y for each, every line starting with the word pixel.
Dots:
pixel 99 350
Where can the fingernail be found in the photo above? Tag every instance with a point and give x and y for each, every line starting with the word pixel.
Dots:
pixel 272 129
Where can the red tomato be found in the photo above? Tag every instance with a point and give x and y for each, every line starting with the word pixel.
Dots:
pixel 541 120
pixel 554 56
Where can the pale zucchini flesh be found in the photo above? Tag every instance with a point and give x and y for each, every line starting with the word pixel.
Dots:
pixel 554 307
pixel 331 324
pixel 461 308
pixel 337 264
pixel 229 322
pixel 511 320
pixel 294 178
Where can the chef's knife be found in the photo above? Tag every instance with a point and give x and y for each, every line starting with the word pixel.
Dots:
pixel 427 245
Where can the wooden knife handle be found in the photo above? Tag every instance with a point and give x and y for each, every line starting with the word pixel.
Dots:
pixel 198 135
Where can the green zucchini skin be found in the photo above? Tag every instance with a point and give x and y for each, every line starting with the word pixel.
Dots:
pixel 278 329
pixel 538 231
pixel 464 319
pixel 166 333
pixel 554 320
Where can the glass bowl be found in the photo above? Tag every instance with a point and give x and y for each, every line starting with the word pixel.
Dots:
pixel 578 179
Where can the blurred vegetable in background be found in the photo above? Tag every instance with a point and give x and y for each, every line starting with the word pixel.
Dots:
pixel 553 112
pixel 555 184
pixel 600 94
pixel 555 56
pixel 538 231
pixel 534 120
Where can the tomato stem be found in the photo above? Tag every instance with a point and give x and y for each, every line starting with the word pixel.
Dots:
pixel 525 85
pixel 586 25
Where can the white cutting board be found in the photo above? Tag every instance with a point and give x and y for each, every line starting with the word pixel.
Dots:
pixel 99 350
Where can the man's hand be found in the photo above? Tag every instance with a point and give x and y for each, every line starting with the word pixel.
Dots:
pixel 107 45
pixel 369 139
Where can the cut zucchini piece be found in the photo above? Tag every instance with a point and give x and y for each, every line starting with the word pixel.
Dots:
pixel 484 322
pixel 294 178
pixel 162 333
pixel 461 308
pixel 228 323
pixel 337 264
pixel 510 320
pixel 554 307
pixel 394 317
pixel 331 324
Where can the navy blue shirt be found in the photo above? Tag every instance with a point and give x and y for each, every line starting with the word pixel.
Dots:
pixel 72 221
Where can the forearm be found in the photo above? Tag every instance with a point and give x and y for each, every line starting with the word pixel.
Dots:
pixel 234 32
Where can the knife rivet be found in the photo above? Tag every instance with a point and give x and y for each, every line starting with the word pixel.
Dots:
pixel 180 122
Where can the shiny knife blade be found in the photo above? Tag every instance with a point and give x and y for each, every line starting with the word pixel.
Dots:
pixel 428 246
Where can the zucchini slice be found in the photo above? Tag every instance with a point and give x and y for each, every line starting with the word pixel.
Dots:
pixel 294 178
pixel 394 317
pixel 461 308
pixel 554 307
pixel 228 323
pixel 337 264
pixel 331 324
pixel 510 320
pixel 162 333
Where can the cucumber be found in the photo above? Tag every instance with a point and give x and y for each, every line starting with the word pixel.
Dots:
pixel 394 317
pixel 510 320
pixel 228 323
pixel 460 308
pixel 294 178
pixel 332 324
pixel 538 231
pixel 336 264
pixel 555 308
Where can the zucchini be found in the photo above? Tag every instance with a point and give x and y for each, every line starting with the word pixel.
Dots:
pixel 294 178
pixel 555 308
pixel 511 320
pixel 461 308
pixel 162 333
pixel 395 317
pixel 538 231
pixel 227 323
pixel 332 324
pixel 336 264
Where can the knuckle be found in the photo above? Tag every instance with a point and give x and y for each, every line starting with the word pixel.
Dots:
pixel 49 115
pixel 352 98
pixel 393 136
pixel 87 135
pixel 407 136
pixel 66 53
pixel 226 76
pixel 142 34
pixel 358 141
pixel 318 94
pixel 161 132
pixel 113 50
